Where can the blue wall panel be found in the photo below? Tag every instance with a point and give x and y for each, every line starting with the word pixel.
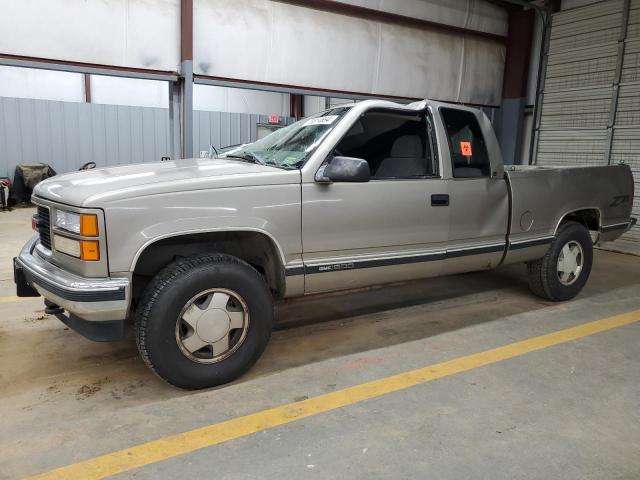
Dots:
pixel 66 134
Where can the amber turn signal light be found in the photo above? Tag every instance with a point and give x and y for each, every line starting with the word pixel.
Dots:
pixel 88 225
pixel 89 250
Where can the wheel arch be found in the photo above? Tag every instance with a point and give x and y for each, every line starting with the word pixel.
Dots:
pixel 590 217
pixel 256 247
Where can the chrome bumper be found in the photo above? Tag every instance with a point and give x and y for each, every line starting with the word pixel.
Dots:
pixel 91 299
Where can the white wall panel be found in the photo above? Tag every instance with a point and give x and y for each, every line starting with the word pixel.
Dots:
pixel 267 41
pixel 313 104
pixel 425 63
pixel 474 14
pixel 240 100
pixel 481 70
pixel 42 84
pixel 129 91
pixel 131 33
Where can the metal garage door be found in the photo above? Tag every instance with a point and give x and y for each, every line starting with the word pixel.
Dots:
pixel 590 98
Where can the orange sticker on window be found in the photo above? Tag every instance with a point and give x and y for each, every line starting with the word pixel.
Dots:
pixel 465 149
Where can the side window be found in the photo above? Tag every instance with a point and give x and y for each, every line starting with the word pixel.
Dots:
pixel 397 145
pixel 468 151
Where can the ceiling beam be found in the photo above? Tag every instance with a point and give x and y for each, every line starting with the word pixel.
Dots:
pixel 90 68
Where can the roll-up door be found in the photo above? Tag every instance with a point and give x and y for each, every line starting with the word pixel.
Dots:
pixel 590 101
pixel 625 146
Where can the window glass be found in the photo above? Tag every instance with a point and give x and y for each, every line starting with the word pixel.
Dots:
pixel 289 147
pixel 468 150
pixel 395 144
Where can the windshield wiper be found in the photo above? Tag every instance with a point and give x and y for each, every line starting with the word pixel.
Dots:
pixel 252 157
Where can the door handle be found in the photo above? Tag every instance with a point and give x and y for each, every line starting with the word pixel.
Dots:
pixel 440 200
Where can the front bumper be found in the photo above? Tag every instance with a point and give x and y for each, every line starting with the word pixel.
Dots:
pixel 90 299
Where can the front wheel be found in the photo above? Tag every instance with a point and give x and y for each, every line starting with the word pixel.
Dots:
pixel 564 270
pixel 204 321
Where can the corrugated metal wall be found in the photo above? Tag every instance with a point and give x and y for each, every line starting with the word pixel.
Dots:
pixel 67 134
pixel 591 97
pixel 221 129
pixel 625 146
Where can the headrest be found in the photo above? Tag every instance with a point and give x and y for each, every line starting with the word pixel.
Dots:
pixel 407 146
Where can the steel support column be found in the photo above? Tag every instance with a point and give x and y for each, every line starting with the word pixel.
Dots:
pixel 514 90
pixel 540 84
pixel 87 88
pixel 175 137
pixel 296 106
pixel 613 109
pixel 186 78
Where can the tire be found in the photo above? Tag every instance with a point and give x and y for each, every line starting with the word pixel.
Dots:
pixel 188 289
pixel 545 278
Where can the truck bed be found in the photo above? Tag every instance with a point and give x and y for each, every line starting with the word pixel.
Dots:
pixel 542 196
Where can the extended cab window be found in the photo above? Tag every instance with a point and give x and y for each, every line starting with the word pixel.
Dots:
pixel 395 144
pixel 468 151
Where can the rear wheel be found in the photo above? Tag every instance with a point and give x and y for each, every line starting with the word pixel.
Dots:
pixel 204 320
pixel 564 270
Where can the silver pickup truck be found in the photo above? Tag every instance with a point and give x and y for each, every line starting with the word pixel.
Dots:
pixel 194 252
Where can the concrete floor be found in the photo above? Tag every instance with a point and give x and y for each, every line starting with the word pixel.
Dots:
pixel 571 411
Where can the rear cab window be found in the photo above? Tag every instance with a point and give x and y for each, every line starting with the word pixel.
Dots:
pixel 469 157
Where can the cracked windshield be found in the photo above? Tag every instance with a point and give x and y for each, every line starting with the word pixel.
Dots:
pixel 291 146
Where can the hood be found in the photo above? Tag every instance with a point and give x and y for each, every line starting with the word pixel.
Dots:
pixel 91 188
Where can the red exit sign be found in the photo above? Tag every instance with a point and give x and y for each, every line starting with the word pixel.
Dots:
pixel 274 119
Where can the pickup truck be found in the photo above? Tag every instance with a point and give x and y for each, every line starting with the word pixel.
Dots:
pixel 194 252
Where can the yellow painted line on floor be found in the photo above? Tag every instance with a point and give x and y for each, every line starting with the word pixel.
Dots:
pixel 13 298
pixel 174 445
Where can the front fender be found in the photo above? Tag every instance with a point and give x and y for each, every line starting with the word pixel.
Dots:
pixel 274 211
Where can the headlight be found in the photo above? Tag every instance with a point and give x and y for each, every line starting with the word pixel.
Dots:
pixel 84 224
pixel 68 221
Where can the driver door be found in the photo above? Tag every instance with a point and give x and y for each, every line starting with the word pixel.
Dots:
pixel 392 228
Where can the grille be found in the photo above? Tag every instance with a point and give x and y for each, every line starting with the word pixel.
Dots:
pixel 44 227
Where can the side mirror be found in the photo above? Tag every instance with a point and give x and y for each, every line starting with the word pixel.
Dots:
pixel 345 169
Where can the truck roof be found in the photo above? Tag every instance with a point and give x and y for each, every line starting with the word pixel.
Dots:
pixel 414 106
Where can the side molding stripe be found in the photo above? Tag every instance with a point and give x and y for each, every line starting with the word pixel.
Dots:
pixel 612 228
pixel 530 243
pixel 463 252
pixel 293 271
pixel 385 262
